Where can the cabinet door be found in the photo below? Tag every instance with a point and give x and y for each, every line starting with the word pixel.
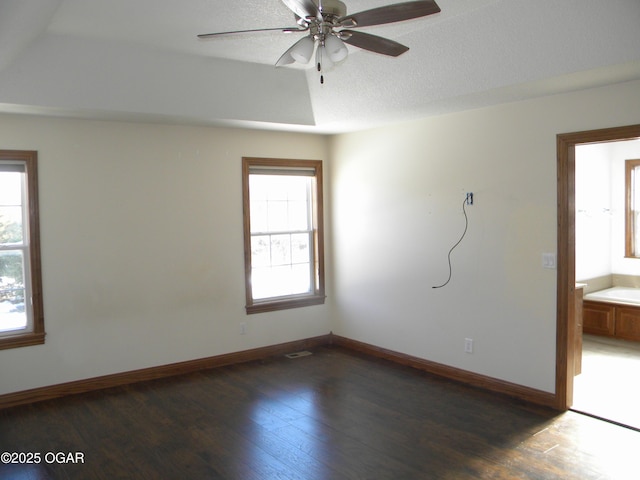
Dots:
pixel 598 318
pixel 628 323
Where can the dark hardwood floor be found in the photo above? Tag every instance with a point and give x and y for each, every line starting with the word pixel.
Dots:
pixel 335 414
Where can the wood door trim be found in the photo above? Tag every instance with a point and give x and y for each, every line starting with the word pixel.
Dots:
pixel 565 306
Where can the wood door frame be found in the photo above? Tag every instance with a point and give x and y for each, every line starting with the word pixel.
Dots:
pixel 566 279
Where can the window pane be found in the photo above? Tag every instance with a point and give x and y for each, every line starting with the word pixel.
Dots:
pixel 259 187
pixel 279 187
pixel 281 264
pixel 298 215
pixel 11 188
pixel 259 217
pixel 271 282
pixel 280 281
pixel 300 248
pixel 11 267
pixel 281 249
pixel 297 189
pixel 278 216
pixel 300 278
pixel 260 251
pixel 11 230
pixel 279 203
pixel 12 291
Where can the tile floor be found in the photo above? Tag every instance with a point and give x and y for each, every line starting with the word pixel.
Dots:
pixel 609 385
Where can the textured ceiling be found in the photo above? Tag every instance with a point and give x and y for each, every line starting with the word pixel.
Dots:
pixel 140 59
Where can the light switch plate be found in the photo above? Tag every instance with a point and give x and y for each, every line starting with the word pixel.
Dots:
pixel 549 260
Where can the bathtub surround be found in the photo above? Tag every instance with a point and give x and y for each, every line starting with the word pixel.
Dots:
pixel 612 280
pixel 632 281
pixel 597 283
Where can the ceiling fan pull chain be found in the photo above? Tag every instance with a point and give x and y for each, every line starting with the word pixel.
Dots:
pixel 319 52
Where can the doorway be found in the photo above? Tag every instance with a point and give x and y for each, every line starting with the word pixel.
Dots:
pixel 566 329
pixel 605 386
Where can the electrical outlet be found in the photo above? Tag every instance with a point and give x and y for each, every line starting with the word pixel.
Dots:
pixel 243 328
pixel 468 345
pixel 469 198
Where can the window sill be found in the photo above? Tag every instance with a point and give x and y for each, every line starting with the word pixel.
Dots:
pixel 285 303
pixel 21 340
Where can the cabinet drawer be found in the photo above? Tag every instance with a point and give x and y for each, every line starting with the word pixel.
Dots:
pixel 598 318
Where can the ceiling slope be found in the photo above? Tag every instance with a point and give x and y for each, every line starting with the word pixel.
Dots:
pixel 140 59
pixel 20 23
pixel 108 79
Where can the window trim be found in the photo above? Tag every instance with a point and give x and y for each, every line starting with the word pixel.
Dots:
pixel 37 333
pixel 629 224
pixel 317 297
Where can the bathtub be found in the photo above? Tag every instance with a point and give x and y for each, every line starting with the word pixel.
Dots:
pixel 621 295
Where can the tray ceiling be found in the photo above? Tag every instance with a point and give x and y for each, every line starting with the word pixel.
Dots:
pixel 140 59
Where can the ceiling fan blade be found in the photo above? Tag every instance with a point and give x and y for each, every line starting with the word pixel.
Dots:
pixel 303 8
pixel 390 13
pixel 232 32
pixel 373 43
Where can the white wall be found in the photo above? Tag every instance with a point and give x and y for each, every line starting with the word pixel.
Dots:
pixel 397 194
pixel 142 250
pixel 594 210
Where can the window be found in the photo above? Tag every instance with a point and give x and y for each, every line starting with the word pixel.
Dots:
pixel 21 316
pixel 283 235
pixel 632 208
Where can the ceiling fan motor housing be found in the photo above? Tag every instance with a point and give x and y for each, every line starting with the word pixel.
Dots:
pixel 332 8
pixel 331 11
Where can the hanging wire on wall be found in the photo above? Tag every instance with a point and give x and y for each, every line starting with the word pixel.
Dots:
pixel 467 201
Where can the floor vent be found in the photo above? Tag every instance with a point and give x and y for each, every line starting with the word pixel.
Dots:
pixel 303 353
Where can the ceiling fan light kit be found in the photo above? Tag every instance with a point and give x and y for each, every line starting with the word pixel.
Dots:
pixel 302 50
pixel 328 28
pixel 336 49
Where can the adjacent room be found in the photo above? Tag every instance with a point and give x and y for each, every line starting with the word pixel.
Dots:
pixel 606 264
pixel 190 191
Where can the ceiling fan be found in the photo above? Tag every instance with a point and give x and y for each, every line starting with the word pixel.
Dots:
pixel 329 28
